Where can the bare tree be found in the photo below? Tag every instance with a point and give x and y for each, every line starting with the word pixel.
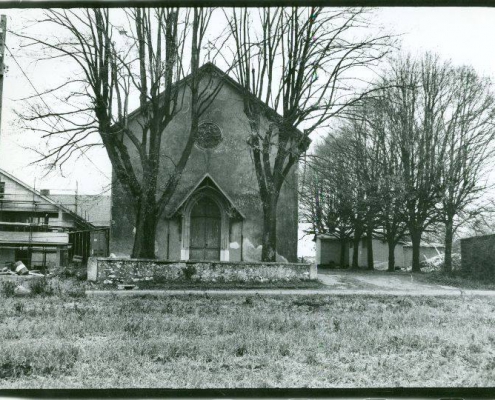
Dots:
pixel 326 195
pixel 482 222
pixel 342 200
pixel 299 62
pixel 125 58
pixel 469 136
pixel 417 98
pixel 366 157
pixel 352 154
pixel 384 177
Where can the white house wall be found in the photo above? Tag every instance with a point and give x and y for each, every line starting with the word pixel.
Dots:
pixel 328 251
pixel 425 252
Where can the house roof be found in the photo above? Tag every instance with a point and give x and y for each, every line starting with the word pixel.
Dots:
pixel 326 236
pixel 425 244
pixel 204 181
pixel 95 209
pixel 210 67
pixel 47 199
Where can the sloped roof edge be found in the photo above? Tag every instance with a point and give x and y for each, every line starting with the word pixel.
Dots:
pixel 198 184
pixel 326 236
pixel 47 199
pixel 228 79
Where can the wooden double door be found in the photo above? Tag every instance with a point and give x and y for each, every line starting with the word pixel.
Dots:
pixel 205 230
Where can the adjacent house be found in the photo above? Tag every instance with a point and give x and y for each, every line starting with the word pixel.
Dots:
pixel 95 209
pixel 328 250
pixel 215 212
pixel 34 228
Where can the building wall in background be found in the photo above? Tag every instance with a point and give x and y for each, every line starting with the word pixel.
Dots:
pixel 231 167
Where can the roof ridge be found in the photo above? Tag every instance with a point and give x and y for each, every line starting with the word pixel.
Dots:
pixel 37 193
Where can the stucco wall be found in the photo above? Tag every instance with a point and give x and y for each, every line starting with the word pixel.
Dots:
pixel 380 254
pixel 328 250
pixel 231 166
pixel 113 270
pixel 424 253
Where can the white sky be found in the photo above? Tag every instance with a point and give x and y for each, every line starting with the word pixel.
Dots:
pixel 464 35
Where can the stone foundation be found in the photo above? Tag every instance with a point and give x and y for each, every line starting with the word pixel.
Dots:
pixel 125 270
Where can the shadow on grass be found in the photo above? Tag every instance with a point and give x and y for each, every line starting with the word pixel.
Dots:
pixel 456 279
pixel 145 285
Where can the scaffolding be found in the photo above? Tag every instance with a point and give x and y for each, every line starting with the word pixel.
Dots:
pixel 30 214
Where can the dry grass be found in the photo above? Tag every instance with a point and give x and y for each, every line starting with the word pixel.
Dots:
pixel 187 342
pixel 456 279
pixel 303 284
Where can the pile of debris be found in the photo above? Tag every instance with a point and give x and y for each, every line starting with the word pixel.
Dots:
pixel 436 263
pixel 18 268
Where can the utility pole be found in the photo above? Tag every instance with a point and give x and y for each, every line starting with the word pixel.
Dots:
pixel 3 34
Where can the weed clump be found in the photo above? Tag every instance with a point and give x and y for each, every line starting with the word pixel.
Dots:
pixel 42 360
pixel 8 288
pixel 249 301
pixel 76 292
pixel 19 307
pixel 41 287
pixel 241 351
pixel 189 271
pixel 312 359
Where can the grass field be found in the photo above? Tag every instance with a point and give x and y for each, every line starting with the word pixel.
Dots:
pixel 455 279
pixel 68 340
pixel 191 285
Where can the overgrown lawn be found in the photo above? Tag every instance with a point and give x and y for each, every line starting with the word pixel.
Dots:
pixel 238 341
pixel 456 279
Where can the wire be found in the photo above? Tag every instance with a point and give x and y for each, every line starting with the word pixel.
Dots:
pixel 48 107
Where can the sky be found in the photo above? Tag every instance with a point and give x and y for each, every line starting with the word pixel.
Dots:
pixel 463 35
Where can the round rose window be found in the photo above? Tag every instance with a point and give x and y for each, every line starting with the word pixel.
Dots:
pixel 209 135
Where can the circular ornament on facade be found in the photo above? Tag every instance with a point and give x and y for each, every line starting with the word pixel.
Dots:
pixel 209 135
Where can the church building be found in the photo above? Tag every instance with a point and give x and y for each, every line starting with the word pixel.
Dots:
pixel 215 212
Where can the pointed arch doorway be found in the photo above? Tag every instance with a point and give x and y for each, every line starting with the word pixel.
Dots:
pixel 207 214
pixel 205 230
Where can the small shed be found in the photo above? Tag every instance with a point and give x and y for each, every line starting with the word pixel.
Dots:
pixel 328 250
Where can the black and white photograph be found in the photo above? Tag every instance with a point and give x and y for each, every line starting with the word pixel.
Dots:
pixel 234 197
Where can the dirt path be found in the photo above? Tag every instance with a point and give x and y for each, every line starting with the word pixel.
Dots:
pixel 400 281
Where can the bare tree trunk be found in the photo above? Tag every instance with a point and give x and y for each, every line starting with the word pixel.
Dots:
pixel 343 246
pixel 146 217
pixel 369 248
pixel 416 242
pixel 144 239
pixel 449 238
pixel 355 250
pixel 391 256
pixel 269 239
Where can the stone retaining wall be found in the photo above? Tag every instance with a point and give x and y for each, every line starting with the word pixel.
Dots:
pixel 125 270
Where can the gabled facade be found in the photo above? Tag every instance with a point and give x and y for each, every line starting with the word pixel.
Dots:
pixel 34 229
pixel 215 212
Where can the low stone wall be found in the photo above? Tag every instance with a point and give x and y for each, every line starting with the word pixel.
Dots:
pixel 125 270
pixel 478 256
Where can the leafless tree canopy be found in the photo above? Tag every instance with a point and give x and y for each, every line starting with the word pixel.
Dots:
pixel 301 62
pixel 123 59
pixel 422 142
